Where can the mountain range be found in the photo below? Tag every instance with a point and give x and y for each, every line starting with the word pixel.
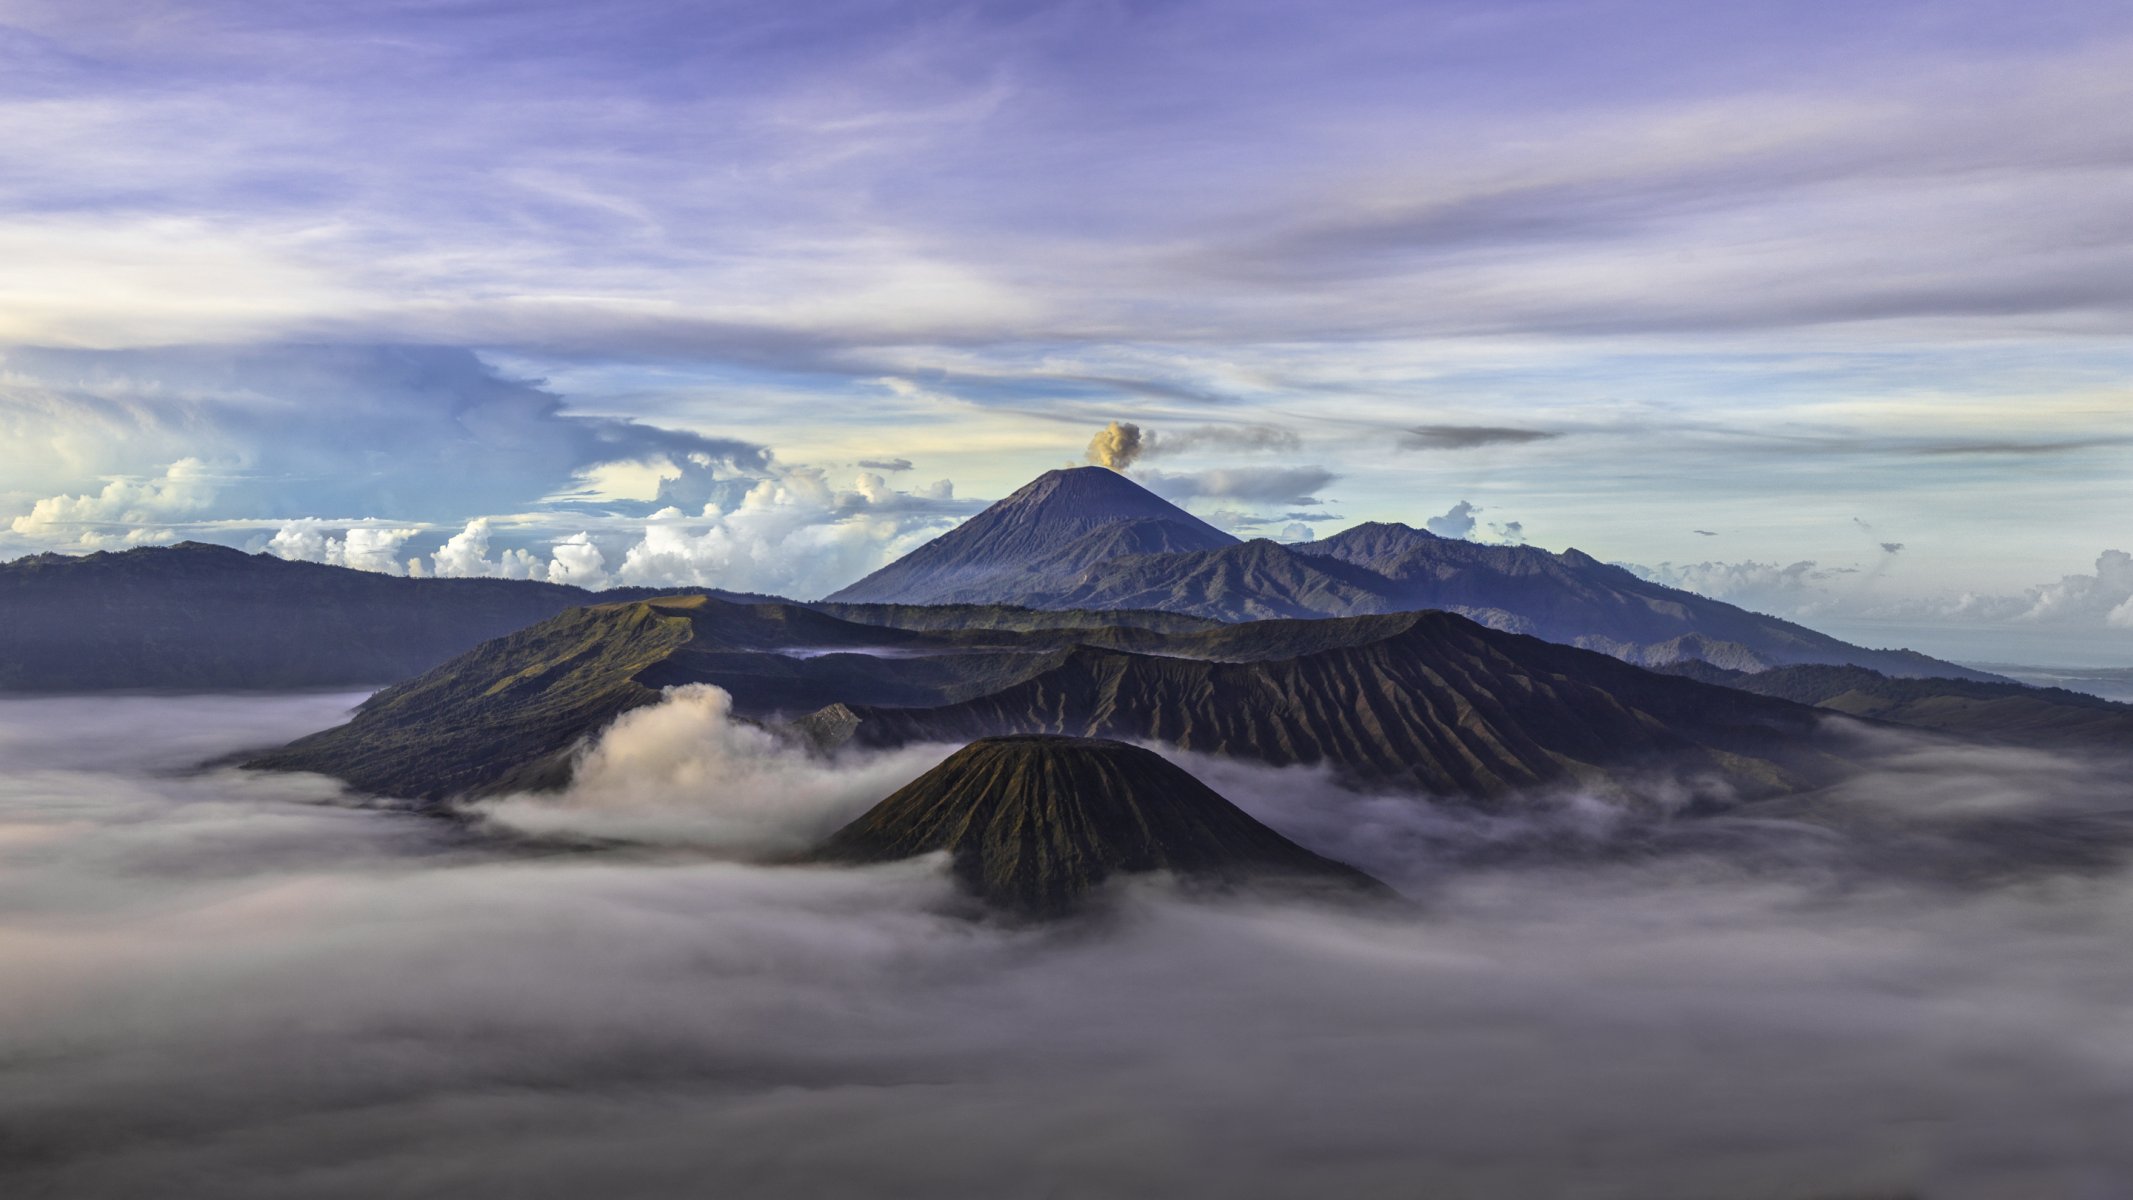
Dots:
pixel 1428 702
pixel 1090 538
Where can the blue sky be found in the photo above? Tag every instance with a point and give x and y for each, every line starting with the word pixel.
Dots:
pixel 1749 292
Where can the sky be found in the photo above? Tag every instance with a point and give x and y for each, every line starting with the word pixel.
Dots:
pixel 1821 308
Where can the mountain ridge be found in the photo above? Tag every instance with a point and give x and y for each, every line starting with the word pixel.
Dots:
pixel 1039 527
pixel 1375 567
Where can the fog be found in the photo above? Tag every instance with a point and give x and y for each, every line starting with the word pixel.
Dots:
pixel 229 985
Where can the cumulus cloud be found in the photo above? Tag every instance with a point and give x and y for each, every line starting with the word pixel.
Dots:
pixel 2102 600
pixel 268 434
pixel 686 772
pixel 465 555
pixel 891 465
pixel 1456 522
pixel 363 547
pixel 795 534
pixel 127 511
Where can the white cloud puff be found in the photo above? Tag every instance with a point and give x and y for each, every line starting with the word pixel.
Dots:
pixel 687 772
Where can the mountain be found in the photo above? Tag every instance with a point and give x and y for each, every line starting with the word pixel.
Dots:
pixel 201 617
pixel 2000 712
pixel 1033 824
pixel 1428 702
pixel 1416 701
pixel 1093 539
pixel 1058 524
pixel 507 714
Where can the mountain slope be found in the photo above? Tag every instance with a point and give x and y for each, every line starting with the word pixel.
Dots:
pixel 1435 703
pixel 1034 824
pixel 508 714
pixel 199 617
pixel 1037 532
pixel 2002 712
pixel 1077 540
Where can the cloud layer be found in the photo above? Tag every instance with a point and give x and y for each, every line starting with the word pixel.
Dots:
pixel 1921 1006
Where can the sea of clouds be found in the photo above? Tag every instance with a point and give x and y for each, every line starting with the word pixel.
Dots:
pixel 215 983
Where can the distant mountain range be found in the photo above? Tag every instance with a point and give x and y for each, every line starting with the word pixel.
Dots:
pixel 1090 538
pixel 1427 702
pixel 201 617
pixel 1999 712
pixel 1073 542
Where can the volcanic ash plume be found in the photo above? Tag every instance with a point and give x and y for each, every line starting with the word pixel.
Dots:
pixel 1117 446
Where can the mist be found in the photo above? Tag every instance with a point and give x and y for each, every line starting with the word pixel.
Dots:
pixel 223 984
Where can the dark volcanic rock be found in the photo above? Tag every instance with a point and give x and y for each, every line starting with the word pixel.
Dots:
pixel 1432 702
pixel 1061 522
pixel 1091 538
pixel 1034 823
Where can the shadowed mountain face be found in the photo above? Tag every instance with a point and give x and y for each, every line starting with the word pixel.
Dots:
pixel 201 618
pixel 2001 712
pixel 197 617
pixel 507 714
pixel 1053 545
pixel 1431 702
pixel 1033 824
pixel 1061 523
pixel 1423 701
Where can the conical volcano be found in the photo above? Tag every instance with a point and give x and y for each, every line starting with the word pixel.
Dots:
pixel 1061 521
pixel 1033 823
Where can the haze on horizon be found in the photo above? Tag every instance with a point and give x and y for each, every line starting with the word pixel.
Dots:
pixel 1818 308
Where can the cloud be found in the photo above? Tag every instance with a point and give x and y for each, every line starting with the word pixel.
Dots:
pixel 1116 445
pixel 792 535
pixel 686 772
pixel 886 464
pixel 1784 588
pixel 126 511
pixel 395 433
pixel 1456 522
pixel 1122 443
pixel 363 547
pixel 465 555
pixel 1265 485
pixel 1249 438
pixel 2104 599
pixel 1468 437
pixel 1862 1006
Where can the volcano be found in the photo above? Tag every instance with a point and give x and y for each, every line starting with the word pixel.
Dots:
pixel 1057 525
pixel 1034 823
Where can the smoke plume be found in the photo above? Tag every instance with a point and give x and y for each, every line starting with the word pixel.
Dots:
pixel 687 772
pixel 1117 446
